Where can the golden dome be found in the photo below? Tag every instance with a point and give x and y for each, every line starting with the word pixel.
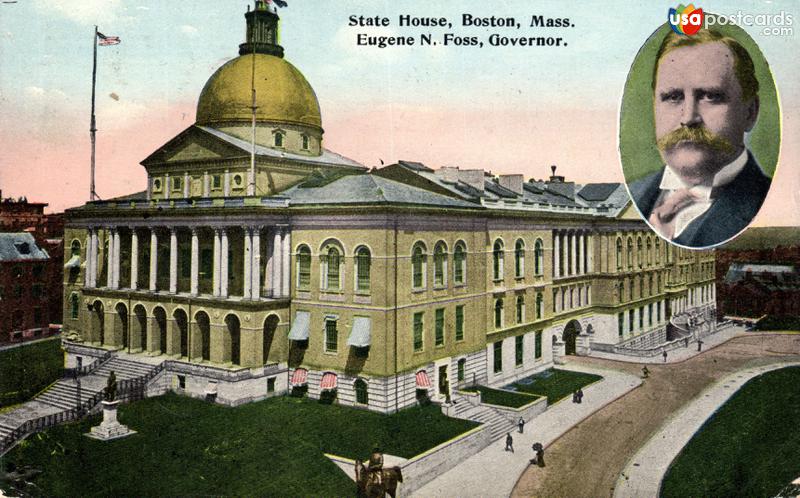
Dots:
pixel 282 93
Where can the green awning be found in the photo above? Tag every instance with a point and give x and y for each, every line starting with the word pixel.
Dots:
pixel 361 335
pixel 300 326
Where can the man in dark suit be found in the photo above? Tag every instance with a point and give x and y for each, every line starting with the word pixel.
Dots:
pixel 706 99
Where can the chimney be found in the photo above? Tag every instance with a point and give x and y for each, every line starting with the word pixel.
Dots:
pixel 554 178
pixel 472 177
pixel 448 173
pixel 512 183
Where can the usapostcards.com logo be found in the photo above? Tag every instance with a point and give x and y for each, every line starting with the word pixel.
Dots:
pixel 685 20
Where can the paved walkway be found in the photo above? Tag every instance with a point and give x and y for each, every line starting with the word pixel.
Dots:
pixel 680 354
pixel 494 472
pixel 645 471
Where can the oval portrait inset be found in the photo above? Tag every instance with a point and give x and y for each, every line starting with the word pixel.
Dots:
pixel 699 133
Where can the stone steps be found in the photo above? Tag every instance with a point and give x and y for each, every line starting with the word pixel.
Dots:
pixel 499 425
pixel 64 394
pixel 123 369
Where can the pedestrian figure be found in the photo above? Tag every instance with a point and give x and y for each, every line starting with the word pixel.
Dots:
pixel 686 342
pixel 521 424
pixel 509 443
pixel 699 346
pixel 575 397
pixel 579 395
pixel 645 372
pixel 539 450
pixel 664 355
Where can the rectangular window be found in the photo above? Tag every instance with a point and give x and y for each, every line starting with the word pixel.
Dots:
pixel 440 326
pixel 641 318
pixel 621 324
pixel 37 316
pixel 206 263
pixel 650 314
pixel 460 322
pixel 418 331
pixel 518 350
pixel 331 336
pixel 271 385
pixel 462 367
pixel 498 357
pixel 177 183
pixel 216 182
pixel 630 320
pixel 537 351
pixel 38 270
pixel 555 297
pixel 185 258
pixel 520 309
pixel 658 312
pixel 37 291
pixel 182 381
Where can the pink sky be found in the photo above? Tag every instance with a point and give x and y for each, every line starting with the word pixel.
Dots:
pixel 52 164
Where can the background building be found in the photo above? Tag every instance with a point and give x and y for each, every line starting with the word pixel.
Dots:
pixel 257 261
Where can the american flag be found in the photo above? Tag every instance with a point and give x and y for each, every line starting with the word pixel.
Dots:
pixel 279 3
pixel 107 40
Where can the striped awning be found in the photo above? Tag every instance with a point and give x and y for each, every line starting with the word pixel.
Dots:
pixel 299 377
pixel 423 381
pixel 300 325
pixel 74 262
pixel 328 381
pixel 360 336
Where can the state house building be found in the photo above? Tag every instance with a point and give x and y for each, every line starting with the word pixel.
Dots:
pixel 257 261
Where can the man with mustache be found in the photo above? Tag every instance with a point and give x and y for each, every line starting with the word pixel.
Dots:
pixel 706 99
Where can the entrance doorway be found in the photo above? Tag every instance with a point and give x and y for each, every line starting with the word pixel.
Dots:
pixel 571 332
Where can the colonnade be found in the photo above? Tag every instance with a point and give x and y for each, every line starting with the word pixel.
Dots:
pixel 572 253
pixel 274 265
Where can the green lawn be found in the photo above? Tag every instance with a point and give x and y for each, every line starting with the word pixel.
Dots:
pixel 26 370
pixel 748 448
pixel 190 447
pixel 503 398
pixel 555 384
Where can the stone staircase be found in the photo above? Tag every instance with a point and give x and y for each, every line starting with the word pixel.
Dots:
pixel 123 369
pixel 499 425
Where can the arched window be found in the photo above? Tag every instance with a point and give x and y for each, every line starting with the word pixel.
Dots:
pixel 498 313
pixel 75 248
pixel 630 253
pixel 74 305
pixel 360 387
pixel 520 308
pixel 278 139
pixel 363 261
pixel 497 260
pixel 539 306
pixel 649 251
pixel 619 254
pixel 418 266
pixel 460 264
pixel 440 265
pixel 658 250
pixel 519 258
pixel 303 267
pixel 305 142
pixel 639 253
pixel 621 292
pixel 538 256
pixel 332 270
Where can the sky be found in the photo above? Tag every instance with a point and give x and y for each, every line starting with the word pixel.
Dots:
pixel 507 109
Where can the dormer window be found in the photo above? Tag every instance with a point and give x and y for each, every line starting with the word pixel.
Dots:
pixel 278 139
pixel 305 142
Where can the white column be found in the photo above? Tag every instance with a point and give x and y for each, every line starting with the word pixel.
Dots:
pixel 149 188
pixel 573 244
pixel 256 289
pixel 206 185
pixel 564 252
pixel 153 259
pixel 590 254
pixel 167 186
pixel 195 277
pixel 269 278
pixel 581 264
pixel 287 248
pixel 109 235
pixel 134 259
pixel 173 260
pixel 556 254
pixel 226 184
pixel 117 252
pixel 247 263
pixel 223 263
pixel 186 184
pixel 277 263
pixel 216 264
pixel 91 259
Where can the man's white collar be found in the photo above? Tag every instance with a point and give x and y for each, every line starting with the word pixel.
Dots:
pixel 671 181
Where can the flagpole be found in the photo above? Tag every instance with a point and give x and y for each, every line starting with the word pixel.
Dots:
pixel 92 124
pixel 251 188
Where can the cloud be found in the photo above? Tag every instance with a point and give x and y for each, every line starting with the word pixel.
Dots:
pixel 189 30
pixel 81 11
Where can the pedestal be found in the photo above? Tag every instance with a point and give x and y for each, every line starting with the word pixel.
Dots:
pixel 110 428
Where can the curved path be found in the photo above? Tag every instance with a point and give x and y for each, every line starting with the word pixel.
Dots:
pixel 645 471
pixel 588 459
